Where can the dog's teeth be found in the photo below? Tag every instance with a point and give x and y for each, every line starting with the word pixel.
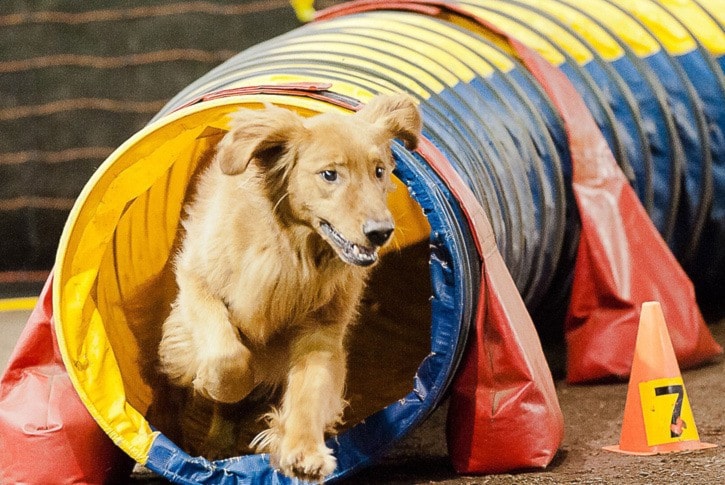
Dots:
pixel 350 252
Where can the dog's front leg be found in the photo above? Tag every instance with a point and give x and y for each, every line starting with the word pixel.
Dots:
pixel 312 403
pixel 201 348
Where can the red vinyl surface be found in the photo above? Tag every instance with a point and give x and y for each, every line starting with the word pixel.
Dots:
pixel 46 433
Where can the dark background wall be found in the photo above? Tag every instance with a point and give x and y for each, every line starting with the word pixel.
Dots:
pixel 79 78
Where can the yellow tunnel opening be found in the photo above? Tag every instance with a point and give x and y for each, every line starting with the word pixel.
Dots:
pixel 114 284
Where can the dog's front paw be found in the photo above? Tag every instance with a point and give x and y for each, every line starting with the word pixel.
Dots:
pixel 226 377
pixel 177 352
pixel 307 463
pixel 302 458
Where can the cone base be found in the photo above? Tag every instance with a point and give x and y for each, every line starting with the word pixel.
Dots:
pixel 667 448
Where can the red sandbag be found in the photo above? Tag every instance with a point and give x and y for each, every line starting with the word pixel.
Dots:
pixel 622 260
pixel 503 395
pixel 46 433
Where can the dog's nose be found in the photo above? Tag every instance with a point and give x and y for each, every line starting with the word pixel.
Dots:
pixel 378 232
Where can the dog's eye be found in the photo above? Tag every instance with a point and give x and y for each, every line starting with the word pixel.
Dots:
pixel 329 175
pixel 379 172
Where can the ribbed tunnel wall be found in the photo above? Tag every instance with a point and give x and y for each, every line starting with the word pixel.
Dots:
pixel 652 81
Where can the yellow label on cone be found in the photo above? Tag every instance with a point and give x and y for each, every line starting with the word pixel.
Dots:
pixel 667 413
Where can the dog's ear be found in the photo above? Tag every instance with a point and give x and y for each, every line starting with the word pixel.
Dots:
pixel 261 135
pixel 397 114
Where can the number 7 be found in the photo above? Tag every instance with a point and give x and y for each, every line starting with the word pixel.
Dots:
pixel 676 424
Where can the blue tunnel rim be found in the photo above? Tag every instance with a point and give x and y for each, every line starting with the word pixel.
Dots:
pixel 454 272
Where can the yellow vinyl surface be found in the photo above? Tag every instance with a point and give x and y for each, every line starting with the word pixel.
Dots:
pixel 622 25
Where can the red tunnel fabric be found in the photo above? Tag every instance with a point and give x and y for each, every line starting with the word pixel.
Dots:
pixel 46 433
pixel 504 388
pixel 622 261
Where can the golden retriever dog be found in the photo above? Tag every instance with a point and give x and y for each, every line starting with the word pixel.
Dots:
pixel 280 236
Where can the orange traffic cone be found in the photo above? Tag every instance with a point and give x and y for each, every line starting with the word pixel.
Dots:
pixel 657 414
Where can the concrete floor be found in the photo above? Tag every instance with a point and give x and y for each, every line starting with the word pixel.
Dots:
pixel 11 325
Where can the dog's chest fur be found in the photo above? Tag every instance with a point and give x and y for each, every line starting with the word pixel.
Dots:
pixel 275 290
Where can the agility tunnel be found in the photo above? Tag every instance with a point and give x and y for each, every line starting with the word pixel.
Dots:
pixel 569 156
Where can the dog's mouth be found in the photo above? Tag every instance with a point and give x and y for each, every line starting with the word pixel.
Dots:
pixel 348 251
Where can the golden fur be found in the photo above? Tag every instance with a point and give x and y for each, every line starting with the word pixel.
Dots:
pixel 279 240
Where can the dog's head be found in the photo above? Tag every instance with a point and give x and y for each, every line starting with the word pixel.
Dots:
pixel 331 172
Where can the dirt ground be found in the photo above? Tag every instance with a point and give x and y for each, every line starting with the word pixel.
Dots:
pixel 592 419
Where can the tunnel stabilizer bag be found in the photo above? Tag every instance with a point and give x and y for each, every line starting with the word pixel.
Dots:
pixel 46 433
